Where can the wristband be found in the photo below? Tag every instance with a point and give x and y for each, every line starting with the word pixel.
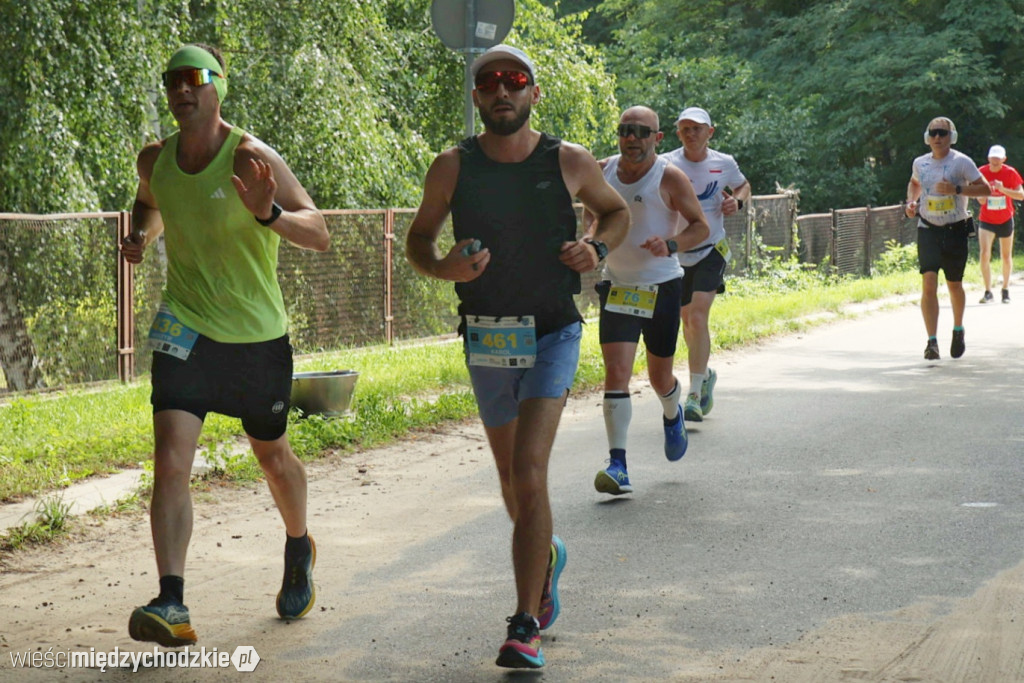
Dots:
pixel 739 204
pixel 275 213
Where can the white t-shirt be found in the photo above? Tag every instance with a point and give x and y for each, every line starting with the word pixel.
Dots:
pixel 957 168
pixel 709 177
pixel 629 264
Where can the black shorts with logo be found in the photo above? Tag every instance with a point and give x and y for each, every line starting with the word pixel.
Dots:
pixel 943 247
pixel 249 381
pixel 660 331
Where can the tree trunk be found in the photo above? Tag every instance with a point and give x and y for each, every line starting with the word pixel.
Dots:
pixel 17 355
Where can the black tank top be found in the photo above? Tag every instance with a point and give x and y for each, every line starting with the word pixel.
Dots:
pixel 523 213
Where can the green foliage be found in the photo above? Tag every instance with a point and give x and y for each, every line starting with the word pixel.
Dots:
pixel 72 339
pixel 829 96
pixel 358 97
pixel 896 258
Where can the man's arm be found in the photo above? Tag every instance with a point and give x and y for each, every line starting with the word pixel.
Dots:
pixel 913 194
pixel 589 221
pixel 421 241
pixel 731 202
pixel 583 178
pixel 1011 192
pixel 678 194
pixel 262 179
pixel 147 224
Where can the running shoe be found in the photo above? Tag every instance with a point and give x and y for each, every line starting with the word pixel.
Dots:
pixel 549 603
pixel 707 400
pixel 613 479
pixel 987 297
pixel 297 593
pixel 957 348
pixel 675 436
pixel 521 649
pixel 1006 296
pixel 692 411
pixel 164 622
pixel 931 352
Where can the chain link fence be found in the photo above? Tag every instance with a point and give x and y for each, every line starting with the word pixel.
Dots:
pixel 72 311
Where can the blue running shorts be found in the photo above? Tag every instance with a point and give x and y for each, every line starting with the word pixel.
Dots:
pixel 498 391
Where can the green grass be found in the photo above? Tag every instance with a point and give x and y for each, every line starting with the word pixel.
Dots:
pixel 52 520
pixel 53 440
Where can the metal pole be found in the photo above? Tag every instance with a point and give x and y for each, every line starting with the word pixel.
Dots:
pixel 470 42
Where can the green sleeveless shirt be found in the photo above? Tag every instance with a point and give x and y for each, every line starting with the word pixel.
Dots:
pixel 221 263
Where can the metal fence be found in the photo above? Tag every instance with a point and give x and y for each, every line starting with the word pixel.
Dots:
pixel 72 311
pixel 851 240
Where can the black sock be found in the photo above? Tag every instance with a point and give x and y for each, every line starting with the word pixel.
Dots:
pixel 618 454
pixel 297 547
pixel 172 588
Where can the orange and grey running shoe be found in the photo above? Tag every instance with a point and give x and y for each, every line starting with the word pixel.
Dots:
pixel 164 622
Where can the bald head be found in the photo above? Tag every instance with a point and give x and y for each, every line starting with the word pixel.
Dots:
pixel 639 114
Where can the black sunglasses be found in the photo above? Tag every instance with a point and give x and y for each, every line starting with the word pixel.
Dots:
pixel 938 133
pixel 637 130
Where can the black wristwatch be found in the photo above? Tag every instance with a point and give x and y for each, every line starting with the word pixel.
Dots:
pixel 672 246
pixel 739 204
pixel 600 247
pixel 275 213
pixel 959 189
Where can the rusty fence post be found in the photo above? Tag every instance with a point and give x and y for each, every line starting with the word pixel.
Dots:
pixel 125 304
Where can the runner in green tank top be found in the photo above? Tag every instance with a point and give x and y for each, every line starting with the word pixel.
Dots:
pixel 223 201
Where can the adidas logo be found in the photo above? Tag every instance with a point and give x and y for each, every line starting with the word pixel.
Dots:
pixel 218 194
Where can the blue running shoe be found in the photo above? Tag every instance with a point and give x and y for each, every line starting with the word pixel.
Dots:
pixel 549 604
pixel 521 649
pixel 297 593
pixel 613 479
pixel 675 437
pixel 707 399
pixel 164 622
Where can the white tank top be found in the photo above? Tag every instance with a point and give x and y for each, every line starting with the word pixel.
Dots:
pixel 629 264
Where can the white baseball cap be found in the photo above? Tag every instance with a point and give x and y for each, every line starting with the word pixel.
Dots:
pixel 502 51
pixel 997 151
pixel 695 114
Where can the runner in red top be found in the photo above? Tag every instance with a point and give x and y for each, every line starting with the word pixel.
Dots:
pixel 997 218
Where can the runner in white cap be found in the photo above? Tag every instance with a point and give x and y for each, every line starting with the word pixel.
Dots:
pixel 996 218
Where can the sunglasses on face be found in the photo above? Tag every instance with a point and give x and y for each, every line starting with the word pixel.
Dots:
pixel 637 130
pixel 938 133
pixel 191 77
pixel 514 81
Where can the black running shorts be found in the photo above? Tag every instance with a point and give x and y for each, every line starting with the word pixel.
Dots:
pixel 707 275
pixel 660 331
pixel 249 381
pixel 943 248
pixel 1000 229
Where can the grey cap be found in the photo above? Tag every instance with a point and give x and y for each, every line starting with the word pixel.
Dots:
pixel 502 51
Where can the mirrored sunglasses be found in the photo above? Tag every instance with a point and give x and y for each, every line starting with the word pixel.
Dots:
pixel 938 133
pixel 191 77
pixel 637 130
pixel 514 81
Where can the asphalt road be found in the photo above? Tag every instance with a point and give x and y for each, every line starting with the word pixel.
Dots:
pixel 839 474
